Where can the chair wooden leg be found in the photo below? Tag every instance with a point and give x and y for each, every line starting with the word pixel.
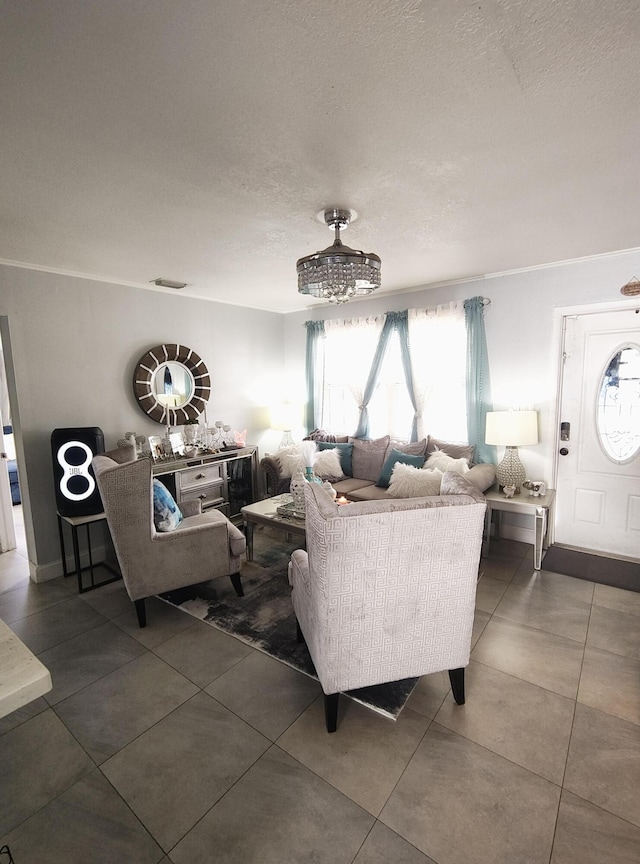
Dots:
pixel 237 584
pixel 456 676
pixel 331 711
pixel 141 612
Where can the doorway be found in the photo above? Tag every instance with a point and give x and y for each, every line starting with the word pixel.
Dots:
pixel 11 517
pixel 598 444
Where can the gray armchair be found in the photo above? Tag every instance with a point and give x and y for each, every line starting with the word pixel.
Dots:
pixel 386 589
pixel 202 547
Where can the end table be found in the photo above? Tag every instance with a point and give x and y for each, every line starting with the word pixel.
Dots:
pixel 540 507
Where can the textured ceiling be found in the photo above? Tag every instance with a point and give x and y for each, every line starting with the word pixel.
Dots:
pixel 197 140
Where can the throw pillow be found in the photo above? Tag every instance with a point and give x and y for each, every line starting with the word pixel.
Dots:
pixel 443 462
pixel 345 451
pixel 392 459
pixel 458 451
pixel 326 464
pixel 166 513
pixel 368 457
pixel 410 482
pixel 415 448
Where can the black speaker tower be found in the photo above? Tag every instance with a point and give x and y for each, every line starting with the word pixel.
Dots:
pixel 72 451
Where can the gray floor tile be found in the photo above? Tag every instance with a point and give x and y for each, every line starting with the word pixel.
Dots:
pixel 384 846
pixel 38 761
pixel 562 587
pixel 588 835
pixel 545 611
pixel 550 661
pixel 268 694
pixel 202 652
pixel 365 757
pixel 429 694
pixel 84 659
pixel 501 567
pixel 110 713
pixel 17 718
pixel 505 548
pixel 611 683
pixel 194 756
pixel 461 804
pixel 279 811
pixel 31 597
pixel 604 762
pixel 614 631
pixel 527 724
pixel 56 624
pixel 617 598
pixel 489 592
pixel 87 823
pixel 163 622
pixel 109 600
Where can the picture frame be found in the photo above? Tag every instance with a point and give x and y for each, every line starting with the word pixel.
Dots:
pixel 155 445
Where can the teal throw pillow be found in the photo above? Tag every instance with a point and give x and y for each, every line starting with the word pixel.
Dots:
pixel 396 456
pixel 166 513
pixel 345 451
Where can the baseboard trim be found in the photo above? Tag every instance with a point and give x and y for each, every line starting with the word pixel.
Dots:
pixel 53 569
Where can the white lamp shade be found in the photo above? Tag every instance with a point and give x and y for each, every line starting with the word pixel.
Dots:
pixel 286 416
pixel 512 428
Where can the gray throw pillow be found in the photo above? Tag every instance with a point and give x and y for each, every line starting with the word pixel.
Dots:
pixel 368 456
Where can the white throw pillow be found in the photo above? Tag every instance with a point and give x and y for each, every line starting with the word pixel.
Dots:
pixel 326 462
pixel 443 462
pixel 410 482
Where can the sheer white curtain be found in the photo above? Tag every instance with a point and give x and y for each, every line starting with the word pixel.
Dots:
pixel 349 348
pixel 438 347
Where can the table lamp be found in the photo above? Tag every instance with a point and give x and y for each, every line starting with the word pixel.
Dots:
pixel 511 429
pixel 284 417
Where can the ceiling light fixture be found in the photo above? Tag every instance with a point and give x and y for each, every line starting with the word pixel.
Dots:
pixel 338 273
pixel 169 283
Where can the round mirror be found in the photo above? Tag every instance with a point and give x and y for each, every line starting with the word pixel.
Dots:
pixel 171 384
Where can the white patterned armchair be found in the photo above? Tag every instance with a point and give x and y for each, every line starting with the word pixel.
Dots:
pixel 386 589
pixel 202 547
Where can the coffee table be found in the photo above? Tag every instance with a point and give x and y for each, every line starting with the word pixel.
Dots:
pixel 266 513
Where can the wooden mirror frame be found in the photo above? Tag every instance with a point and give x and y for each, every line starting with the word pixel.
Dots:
pixel 143 376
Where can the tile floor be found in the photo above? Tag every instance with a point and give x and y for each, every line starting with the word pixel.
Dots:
pixel 180 744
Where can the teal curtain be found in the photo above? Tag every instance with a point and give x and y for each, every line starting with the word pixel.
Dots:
pixel 478 381
pixel 314 373
pixel 402 329
pixel 387 329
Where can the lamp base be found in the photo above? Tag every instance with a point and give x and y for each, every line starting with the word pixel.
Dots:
pixel 286 440
pixel 511 472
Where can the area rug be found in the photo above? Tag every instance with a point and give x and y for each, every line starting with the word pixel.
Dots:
pixel 264 617
pixel 595 568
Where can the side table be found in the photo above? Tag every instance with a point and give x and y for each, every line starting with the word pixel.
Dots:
pixel 541 508
pixel 74 523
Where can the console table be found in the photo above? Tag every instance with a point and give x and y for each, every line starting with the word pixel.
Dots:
pixel 540 507
pixel 227 480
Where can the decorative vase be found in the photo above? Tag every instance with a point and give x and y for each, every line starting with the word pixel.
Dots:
pixel 310 477
pixel 296 488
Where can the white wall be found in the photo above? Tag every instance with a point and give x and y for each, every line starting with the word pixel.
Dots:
pixel 520 323
pixel 75 344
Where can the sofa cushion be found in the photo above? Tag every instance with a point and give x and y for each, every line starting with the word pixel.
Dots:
pixel 346 455
pixel 166 513
pixel 443 462
pixel 392 459
pixel 368 457
pixel 370 492
pixel 458 451
pixel 410 482
pixel 482 475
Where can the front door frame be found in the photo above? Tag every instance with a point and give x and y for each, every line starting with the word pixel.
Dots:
pixel 559 315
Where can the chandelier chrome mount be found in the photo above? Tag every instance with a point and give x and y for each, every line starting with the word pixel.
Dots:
pixel 338 272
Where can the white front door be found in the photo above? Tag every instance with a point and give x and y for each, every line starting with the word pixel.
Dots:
pixel 598 477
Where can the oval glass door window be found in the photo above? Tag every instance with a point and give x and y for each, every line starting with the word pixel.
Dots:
pixel 618 409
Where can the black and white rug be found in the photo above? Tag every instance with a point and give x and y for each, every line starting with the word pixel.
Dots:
pixel 264 617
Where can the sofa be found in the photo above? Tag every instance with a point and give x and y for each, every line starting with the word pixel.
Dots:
pixel 369 470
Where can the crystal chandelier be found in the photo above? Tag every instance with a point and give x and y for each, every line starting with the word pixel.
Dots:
pixel 338 273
